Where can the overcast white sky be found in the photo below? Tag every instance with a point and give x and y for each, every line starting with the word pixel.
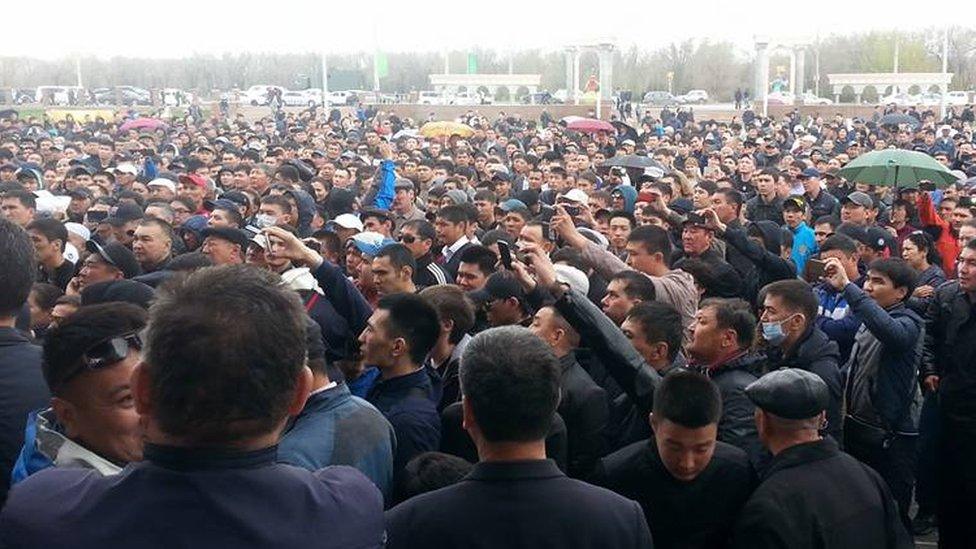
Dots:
pixel 173 28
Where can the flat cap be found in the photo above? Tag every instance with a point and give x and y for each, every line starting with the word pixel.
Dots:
pixel 790 393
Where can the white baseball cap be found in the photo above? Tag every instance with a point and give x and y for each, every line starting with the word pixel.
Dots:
pixel 349 221
pixel 163 182
pixel 576 195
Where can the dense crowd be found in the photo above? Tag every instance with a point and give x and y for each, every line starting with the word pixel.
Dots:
pixel 502 332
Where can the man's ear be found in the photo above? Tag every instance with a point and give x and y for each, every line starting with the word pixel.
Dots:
pixel 65 412
pixel 399 347
pixel 303 386
pixel 141 382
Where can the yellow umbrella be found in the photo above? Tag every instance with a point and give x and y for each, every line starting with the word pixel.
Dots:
pixel 445 128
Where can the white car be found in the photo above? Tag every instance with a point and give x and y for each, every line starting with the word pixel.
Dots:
pixel 810 99
pixel 465 98
pixel 340 97
pixel 258 95
pixel 900 100
pixel 958 98
pixel 57 95
pixel 694 96
pixel 931 99
pixel 431 98
pixel 780 98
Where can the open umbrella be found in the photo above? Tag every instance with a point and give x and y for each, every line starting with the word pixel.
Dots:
pixel 445 129
pixel 895 119
pixel 896 168
pixel 590 125
pixel 151 124
pixel 624 131
pixel 633 161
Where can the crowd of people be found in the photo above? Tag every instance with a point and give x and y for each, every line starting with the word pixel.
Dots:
pixel 339 328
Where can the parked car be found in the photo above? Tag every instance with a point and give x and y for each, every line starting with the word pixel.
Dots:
pixel 124 95
pixel 810 99
pixel 173 97
pixel 345 97
pixel 659 98
pixel 57 95
pixel 431 98
pixel 693 96
pixel 258 95
pixel 465 98
pixel 930 99
pixel 780 98
pixel 541 98
pixel 957 98
pixel 900 99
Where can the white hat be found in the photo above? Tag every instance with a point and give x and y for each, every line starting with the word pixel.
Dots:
pixel 163 182
pixel 809 138
pixel 127 167
pixel 573 277
pixel 799 129
pixel 79 230
pixel 349 221
pixel 576 195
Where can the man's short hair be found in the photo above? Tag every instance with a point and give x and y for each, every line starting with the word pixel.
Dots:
pixel 636 285
pixel 223 350
pixel 653 239
pixel 17 269
pixel 452 303
pixel 831 220
pixel 486 196
pixel 898 271
pixel 688 399
pixel 399 256
pixel 732 196
pixel 424 229
pixel 796 295
pixel 25 197
pixel 51 228
pixel 481 256
pixel 65 344
pixel 278 200
pixel 431 471
pixel 624 214
pixel 163 226
pixel 453 214
pixel 46 295
pixel 660 322
pixel 415 320
pixel 494 235
pixel 733 314
pixel 510 378
pixel 841 243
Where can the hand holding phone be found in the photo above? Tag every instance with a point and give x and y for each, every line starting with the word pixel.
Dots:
pixel 815 269
pixel 506 254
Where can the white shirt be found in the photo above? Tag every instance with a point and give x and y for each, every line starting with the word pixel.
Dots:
pixel 449 251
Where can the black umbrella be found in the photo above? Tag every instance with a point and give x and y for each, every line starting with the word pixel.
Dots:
pixel 898 119
pixel 624 131
pixel 633 161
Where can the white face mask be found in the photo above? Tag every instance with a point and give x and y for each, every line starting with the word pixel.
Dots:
pixel 264 220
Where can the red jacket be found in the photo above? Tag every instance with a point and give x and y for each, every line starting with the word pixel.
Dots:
pixel 947 243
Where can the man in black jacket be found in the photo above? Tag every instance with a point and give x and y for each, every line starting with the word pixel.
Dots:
pixel 22 387
pixel 582 404
pixel 949 367
pixel 789 315
pixel 812 494
pixel 690 486
pixel 514 497
pixel 720 346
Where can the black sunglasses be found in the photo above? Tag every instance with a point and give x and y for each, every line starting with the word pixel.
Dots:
pixel 105 353
pixel 408 238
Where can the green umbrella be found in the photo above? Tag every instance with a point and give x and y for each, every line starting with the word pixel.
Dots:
pixel 896 168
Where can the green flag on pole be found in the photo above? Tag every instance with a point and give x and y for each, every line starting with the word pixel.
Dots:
pixel 382 66
pixel 472 63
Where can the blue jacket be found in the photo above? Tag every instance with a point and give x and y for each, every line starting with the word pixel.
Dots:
pixel 881 386
pixel 336 428
pixel 45 445
pixel 199 498
pixel 385 194
pixel 345 301
pixel 22 390
pixel 804 245
pixel 409 402
pixel 836 318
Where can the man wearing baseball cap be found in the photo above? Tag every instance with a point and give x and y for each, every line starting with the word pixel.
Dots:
pixel 793 506
pixel 804 241
pixel 225 245
pixel 854 208
pixel 504 300
pixel 111 261
pixel 820 201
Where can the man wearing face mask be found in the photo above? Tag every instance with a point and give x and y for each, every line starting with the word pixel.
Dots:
pixel 789 314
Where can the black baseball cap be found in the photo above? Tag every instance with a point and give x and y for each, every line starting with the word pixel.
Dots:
pixel 230 234
pixel 500 285
pixel 116 255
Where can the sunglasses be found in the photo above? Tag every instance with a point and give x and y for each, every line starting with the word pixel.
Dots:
pixel 408 238
pixel 105 353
